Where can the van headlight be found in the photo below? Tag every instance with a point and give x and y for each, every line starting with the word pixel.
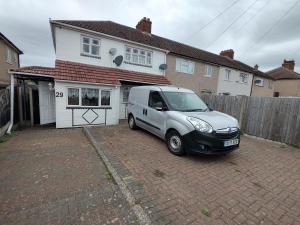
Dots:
pixel 200 125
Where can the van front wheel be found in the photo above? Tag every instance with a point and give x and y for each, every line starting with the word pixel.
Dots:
pixel 175 143
pixel 131 123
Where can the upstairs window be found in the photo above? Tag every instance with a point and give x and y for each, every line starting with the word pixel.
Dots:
pixel 8 55
pixel 185 66
pixel 259 82
pixel 243 78
pixel 138 56
pixel 208 70
pixel 227 74
pixel 90 47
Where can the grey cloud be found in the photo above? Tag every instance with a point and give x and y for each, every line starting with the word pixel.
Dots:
pixel 28 25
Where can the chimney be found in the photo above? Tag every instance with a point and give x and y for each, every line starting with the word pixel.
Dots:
pixel 256 67
pixel 288 64
pixel 227 53
pixel 144 25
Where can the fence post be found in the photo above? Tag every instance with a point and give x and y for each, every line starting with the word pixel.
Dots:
pixel 242 111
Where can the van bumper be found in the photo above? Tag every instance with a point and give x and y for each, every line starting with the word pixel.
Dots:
pixel 211 144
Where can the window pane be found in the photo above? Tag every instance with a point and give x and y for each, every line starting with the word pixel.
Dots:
pixel 135 58
pixel 142 52
pixel 142 59
pixel 89 97
pixel 125 95
pixel 95 42
pixel 86 40
pixel 73 96
pixel 86 48
pixel 135 50
pixel 154 98
pixel 105 97
pixel 127 57
pixel 128 49
pixel 149 60
pixel 149 54
pixel 95 50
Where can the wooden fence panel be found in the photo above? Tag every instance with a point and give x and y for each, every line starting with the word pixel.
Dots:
pixel 276 119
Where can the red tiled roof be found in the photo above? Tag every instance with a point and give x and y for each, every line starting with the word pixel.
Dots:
pixel 71 71
pixel 132 34
pixel 283 73
pixel 37 70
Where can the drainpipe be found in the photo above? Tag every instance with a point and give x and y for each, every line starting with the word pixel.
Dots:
pixel 12 90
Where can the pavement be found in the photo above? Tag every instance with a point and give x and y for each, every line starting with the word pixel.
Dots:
pixel 257 184
pixel 54 176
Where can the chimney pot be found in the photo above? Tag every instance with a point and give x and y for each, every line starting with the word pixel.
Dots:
pixel 144 25
pixel 289 64
pixel 256 67
pixel 227 53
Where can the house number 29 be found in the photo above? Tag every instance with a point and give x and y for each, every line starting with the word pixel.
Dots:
pixel 59 94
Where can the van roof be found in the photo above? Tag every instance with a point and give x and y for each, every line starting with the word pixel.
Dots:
pixel 164 88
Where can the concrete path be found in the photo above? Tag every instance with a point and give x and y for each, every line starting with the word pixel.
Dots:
pixel 54 176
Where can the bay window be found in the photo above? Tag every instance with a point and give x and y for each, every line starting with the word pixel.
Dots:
pixel 138 56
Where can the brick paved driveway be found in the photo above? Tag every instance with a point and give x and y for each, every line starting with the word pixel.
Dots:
pixel 259 184
pixel 50 176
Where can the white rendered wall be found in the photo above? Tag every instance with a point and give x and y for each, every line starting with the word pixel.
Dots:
pixel 68 48
pixel 233 86
pixel 64 115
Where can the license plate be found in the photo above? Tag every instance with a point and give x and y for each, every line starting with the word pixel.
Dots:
pixel 231 142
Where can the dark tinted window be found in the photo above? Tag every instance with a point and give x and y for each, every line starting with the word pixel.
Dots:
pixel 154 98
pixel 73 96
pixel 105 98
pixel 89 97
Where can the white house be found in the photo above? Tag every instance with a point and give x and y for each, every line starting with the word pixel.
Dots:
pixel 93 73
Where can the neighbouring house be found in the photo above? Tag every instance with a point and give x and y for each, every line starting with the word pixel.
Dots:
pixel 263 84
pixel 9 59
pixel 287 81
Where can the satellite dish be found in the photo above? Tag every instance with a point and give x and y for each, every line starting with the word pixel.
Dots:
pixel 112 51
pixel 118 60
pixel 163 66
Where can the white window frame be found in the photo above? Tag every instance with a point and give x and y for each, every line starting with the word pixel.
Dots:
pixel 246 78
pixel 90 44
pixel 141 54
pixel 99 97
pixel 227 75
pixel 208 70
pixel 261 84
pixel 184 63
pixel 8 55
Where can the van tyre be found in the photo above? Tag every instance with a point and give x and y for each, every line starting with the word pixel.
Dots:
pixel 175 143
pixel 131 123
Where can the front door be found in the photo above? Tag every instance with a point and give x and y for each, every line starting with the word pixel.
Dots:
pixel 47 103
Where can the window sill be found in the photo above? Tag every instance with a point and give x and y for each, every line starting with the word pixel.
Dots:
pixel 185 72
pixel 88 107
pixel 208 76
pixel 137 64
pixel 90 56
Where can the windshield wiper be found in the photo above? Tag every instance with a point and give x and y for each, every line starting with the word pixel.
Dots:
pixel 195 110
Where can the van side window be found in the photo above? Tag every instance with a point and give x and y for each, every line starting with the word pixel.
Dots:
pixel 154 98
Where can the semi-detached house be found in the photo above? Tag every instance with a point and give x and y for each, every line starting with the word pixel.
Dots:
pixel 97 62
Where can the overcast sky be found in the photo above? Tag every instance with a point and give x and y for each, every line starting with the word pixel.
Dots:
pixel 262 32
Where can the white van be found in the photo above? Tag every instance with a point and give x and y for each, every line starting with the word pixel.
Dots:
pixel 182 119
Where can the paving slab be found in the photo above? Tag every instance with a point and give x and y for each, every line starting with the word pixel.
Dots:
pixel 257 184
pixel 54 176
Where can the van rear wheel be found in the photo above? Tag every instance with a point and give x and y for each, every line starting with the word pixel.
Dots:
pixel 175 143
pixel 131 123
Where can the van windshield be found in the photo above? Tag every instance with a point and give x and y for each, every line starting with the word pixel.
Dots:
pixel 184 101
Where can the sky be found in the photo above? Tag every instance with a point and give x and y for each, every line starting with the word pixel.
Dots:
pixel 262 32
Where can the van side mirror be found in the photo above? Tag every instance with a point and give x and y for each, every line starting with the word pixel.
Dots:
pixel 210 109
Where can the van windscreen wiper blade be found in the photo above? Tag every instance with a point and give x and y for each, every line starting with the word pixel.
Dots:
pixel 195 110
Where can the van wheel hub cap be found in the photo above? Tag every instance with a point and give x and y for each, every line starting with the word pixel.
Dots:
pixel 131 122
pixel 175 143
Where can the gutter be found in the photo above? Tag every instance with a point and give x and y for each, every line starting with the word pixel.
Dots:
pixel 106 35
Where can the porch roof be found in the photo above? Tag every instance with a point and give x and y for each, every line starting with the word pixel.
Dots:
pixel 65 70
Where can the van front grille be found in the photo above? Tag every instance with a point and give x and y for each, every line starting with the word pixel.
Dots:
pixel 227 135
